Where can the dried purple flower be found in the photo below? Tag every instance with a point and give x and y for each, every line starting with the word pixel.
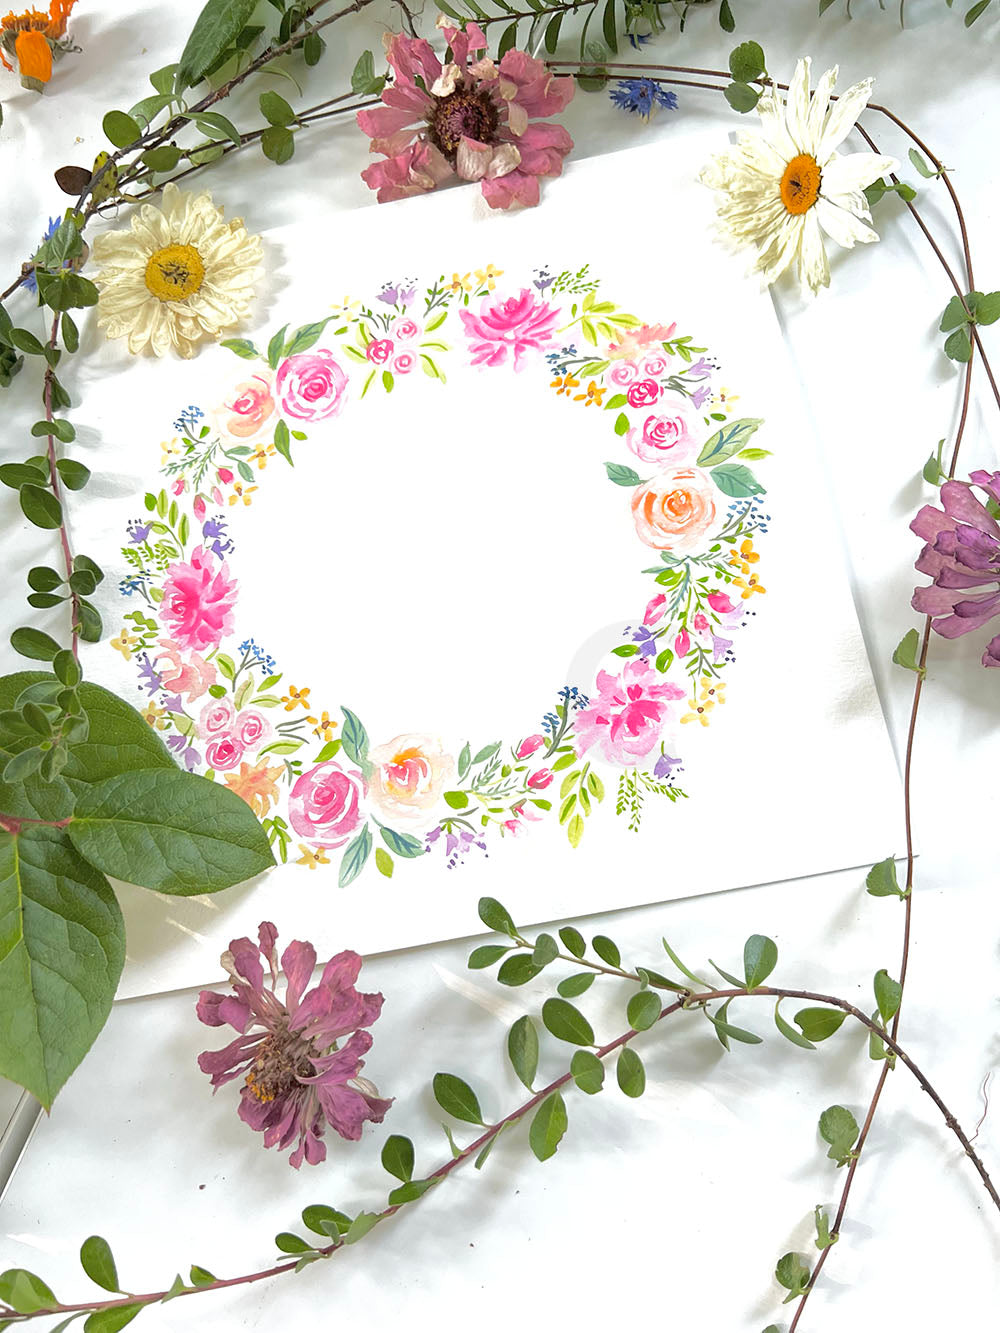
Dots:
pixel 297 1080
pixel 962 552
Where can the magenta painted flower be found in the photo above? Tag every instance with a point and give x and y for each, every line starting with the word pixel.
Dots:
pixel 199 600
pixel 654 609
pixel 540 780
pixel 625 718
pixel 470 118
pixel 310 386
pixel 512 325
pixel 643 393
pixel 668 436
pixel 299 1075
pixel 217 716
pixel 529 745
pixel 325 803
pixel 962 553
pixel 252 729
pixel 379 350
pixel 224 752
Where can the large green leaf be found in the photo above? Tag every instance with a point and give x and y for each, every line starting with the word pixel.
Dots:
pixel 732 437
pixel 62 947
pixel 216 28
pixel 119 740
pixel 171 831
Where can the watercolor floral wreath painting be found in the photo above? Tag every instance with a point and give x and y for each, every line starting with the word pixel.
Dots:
pixel 308 771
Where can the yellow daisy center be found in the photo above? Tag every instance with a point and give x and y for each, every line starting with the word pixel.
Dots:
pixel 800 183
pixel 175 272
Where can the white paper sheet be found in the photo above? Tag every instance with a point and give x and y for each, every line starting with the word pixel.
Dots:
pixel 442 559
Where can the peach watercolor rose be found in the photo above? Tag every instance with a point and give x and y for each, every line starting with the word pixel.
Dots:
pixel 674 510
pixel 408 777
pixel 248 408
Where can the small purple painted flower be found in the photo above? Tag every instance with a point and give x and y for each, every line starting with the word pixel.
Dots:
pixel 138 532
pixel 700 397
pixel 665 766
pixel 297 1078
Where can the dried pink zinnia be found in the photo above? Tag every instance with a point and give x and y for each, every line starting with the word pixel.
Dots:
pixel 479 121
pixel 297 1078
pixel 962 553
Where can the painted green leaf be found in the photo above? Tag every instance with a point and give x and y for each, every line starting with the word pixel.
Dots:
pixel 62 948
pixel 354 738
pixel 728 440
pixel 170 831
pixel 548 1127
pixel 736 480
pixel 622 475
pixel 356 853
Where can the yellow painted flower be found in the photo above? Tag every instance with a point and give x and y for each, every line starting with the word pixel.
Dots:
pixel 593 396
pixel 722 400
pixel 124 643
pixel 169 449
pixel 487 276
pixel 699 711
pixel 713 689
pixel 155 716
pixel 260 456
pixel 347 307
pixel 295 697
pixel 241 492
pixel 311 858
pixel 178 275
pixel 744 557
pixel 460 283
pixel 324 726
pixel 749 586
pixel 564 384
pixel 257 785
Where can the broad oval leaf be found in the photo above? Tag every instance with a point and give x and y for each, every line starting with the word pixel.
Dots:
pixel 170 831
pixel 818 1024
pixel 548 1127
pixel 99 1263
pixel 216 28
pixel 643 1010
pixel 110 1321
pixel 587 1071
pixel 760 957
pixel 455 1096
pixel 566 1022
pixel 522 1048
pixel 496 916
pixel 631 1073
pixel 61 954
pixel 888 995
pixel 573 941
pixel 25 1291
pixel 397 1156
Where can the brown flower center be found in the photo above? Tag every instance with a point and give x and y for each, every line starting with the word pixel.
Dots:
pixel 800 184
pixel 467 113
pixel 175 272
pixel 277 1068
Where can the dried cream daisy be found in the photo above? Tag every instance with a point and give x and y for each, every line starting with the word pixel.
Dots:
pixel 780 191
pixel 178 275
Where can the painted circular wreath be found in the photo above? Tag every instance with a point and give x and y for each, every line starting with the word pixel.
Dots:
pixel 321 789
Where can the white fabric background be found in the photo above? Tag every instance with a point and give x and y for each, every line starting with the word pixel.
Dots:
pixel 677 1208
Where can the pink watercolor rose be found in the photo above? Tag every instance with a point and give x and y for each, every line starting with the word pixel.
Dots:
pixel 217 716
pixel 248 408
pixel 682 644
pixel 199 600
pixel 622 373
pixel 224 752
pixel 409 775
pixel 515 325
pixel 193 677
pixel 643 393
pixel 668 436
pixel 379 350
pixel 405 329
pixel 325 803
pixel 310 386
pixel 252 728
pixel 404 363
pixel 626 714
pixel 654 365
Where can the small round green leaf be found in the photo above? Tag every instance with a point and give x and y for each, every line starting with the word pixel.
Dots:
pixel 631 1073
pixel 818 1024
pixel 643 1010
pixel 496 916
pixel 120 129
pixel 548 1127
pixel 486 955
pixel 98 1263
pixel 607 950
pixel 397 1156
pixel 455 1096
pixel 587 1071
pixel 573 941
pixel 575 985
pixel 40 506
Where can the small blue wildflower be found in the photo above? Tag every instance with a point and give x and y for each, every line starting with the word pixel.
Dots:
pixel 131 584
pixel 30 281
pixel 257 657
pixel 637 40
pixel 188 420
pixel 639 97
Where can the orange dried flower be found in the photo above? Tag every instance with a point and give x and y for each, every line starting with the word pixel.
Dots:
pixel 34 55
pixel 52 24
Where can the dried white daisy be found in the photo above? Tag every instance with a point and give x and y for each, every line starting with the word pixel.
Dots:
pixel 779 192
pixel 178 275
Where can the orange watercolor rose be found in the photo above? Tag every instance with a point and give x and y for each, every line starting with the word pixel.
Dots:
pixel 675 509
pixel 409 774
pixel 248 409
